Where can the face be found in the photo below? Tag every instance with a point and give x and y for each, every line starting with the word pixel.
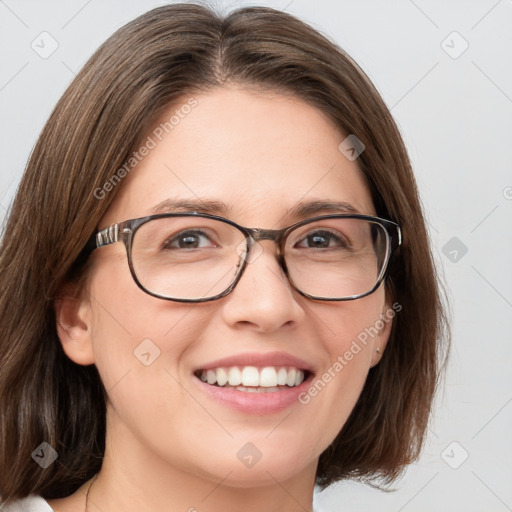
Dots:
pixel 261 155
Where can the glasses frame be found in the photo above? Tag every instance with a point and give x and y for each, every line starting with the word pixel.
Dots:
pixel 125 232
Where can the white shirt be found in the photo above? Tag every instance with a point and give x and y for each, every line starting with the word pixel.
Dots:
pixel 31 503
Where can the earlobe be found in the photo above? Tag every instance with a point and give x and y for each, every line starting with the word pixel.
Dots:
pixel 73 323
pixel 381 340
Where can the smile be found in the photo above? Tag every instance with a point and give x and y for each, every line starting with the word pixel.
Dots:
pixel 251 379
pixel 254 383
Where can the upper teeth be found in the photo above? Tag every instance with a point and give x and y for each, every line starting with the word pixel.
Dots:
pixel 255 377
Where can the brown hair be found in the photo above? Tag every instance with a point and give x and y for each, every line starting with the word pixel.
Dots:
pixel 133 77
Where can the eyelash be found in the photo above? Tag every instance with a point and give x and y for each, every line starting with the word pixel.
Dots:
pixel 327 234
pixel 183 234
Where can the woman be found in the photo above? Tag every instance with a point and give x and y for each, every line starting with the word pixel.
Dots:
pixel 217 284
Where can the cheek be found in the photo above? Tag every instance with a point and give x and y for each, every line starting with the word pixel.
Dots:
pixel 349 338
pixel 133 331
pixel 350 328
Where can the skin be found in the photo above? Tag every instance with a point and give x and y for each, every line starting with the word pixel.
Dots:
pixel 170 446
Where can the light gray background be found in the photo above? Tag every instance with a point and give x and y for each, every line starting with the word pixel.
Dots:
pixel 455 112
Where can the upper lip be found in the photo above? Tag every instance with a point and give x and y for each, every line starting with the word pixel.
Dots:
pixel 260 360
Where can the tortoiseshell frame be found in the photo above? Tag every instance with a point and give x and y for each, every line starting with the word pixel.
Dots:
pixel 125 231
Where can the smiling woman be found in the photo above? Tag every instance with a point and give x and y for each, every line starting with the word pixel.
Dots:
pixel 249 310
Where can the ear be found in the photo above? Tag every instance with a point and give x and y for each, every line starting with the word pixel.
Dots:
pixel 73 322
pixel 383 326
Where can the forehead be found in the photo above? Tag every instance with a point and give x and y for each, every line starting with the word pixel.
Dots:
pixel 260 154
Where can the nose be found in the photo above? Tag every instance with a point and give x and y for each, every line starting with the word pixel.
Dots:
pixel 263 299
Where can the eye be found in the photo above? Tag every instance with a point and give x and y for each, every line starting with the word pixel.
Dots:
pixel 190 239
pixel 323 239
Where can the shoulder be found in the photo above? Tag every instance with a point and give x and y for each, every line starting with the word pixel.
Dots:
pixel 31 503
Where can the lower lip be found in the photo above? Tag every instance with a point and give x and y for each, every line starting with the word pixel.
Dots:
pixel 255 403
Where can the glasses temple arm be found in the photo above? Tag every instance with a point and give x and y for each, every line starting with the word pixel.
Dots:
pixel 107 236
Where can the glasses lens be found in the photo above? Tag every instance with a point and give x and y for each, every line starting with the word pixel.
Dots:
pixel 187 257
pixel 338 257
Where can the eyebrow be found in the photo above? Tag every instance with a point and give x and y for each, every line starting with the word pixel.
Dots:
pixel 211 207
pixel 306 209
pixel 303 209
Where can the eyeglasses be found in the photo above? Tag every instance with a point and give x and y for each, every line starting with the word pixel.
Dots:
pixel 195 257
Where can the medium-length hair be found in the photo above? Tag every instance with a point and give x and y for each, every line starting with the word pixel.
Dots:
pixel 150 64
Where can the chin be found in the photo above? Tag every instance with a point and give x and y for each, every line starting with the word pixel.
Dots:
pixel 258 463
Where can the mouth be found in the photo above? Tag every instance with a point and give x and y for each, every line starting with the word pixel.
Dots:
pixel 255 383
pixel 251 379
